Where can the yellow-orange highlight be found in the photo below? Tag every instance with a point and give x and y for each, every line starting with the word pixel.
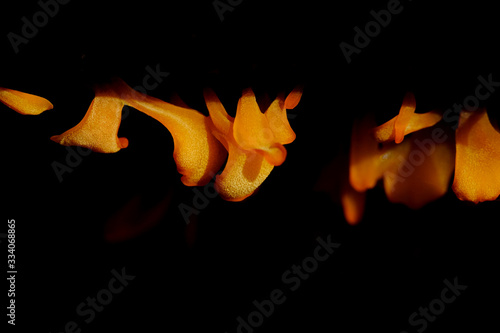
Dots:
pixel 477 163
pixel 197 153
pixel 98 130
pixel 245 169
pixel 23 103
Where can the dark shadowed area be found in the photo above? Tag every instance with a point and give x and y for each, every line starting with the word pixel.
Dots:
pixel 80 270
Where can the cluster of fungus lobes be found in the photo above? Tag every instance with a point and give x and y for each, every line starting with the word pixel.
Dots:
pixel 413 154
pixel 251 143
pixel 416 169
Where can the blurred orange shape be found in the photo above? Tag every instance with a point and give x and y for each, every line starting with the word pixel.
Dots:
pixel 477 164
pixel 414 172
pixel 353 203
pixel 334 180
pixel 23 103
pixel 366 160
pixel 421 171
pixel 98 129
pixel 131 221
pixel 293 98
pixel 406 122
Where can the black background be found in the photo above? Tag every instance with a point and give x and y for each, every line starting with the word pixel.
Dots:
pixel 203 276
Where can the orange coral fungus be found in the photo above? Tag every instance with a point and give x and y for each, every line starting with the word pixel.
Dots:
pixel 477 171
pixel 98 130
pixel 406 122
pixel 252 130
pixel 423 174
pixel 414 172
pixel 253 139
pixel 24 103
pixel 366 162
pixel 197 153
